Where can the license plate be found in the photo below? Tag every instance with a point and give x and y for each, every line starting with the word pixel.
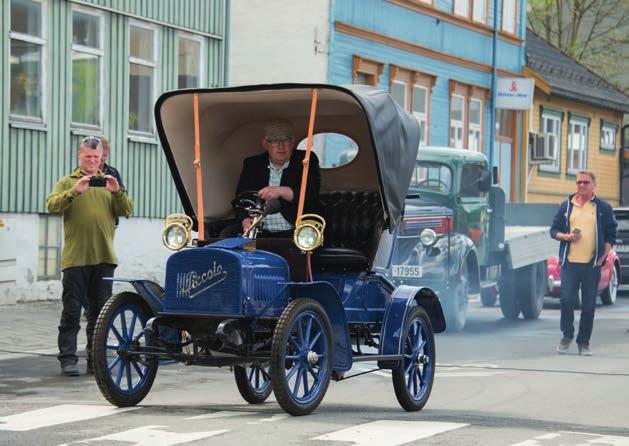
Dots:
pixel 406 271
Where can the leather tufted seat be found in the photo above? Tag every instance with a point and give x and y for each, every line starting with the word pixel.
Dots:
pixel 353 226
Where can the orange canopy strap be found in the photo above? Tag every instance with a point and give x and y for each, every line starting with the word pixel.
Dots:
pixel 197 170
pixel 306 161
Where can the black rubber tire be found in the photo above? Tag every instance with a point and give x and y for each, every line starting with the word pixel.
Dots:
pixel 508 301
pixel 456 306
pixel 398 374
pixel 251 395
pixel 531 283
pixel 283 393
pixel 488 297
pixel 112 392
pixel 608 296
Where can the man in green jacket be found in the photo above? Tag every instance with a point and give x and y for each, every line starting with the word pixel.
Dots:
pixel 89 212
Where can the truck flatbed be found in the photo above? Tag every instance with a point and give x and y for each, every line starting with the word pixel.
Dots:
pixel 526 245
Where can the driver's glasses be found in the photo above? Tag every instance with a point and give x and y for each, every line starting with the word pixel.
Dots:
pixel 278 142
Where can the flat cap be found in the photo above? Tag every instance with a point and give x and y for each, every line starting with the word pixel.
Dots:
pixel 278 129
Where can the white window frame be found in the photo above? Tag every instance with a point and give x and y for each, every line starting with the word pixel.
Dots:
pixel 479 7
pixel 421 117
pixel 457 124
pixel 608 130
pixel 95 52
pixel 555 166
pixel 573 170
pixel 152 64
pixel 476 127
pixel 405 86
pixel 461 2
pixel 514 17
pixel 42 41
pixel 201 40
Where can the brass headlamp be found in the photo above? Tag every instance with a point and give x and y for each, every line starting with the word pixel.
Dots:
pixel 308 234
pixel 177 231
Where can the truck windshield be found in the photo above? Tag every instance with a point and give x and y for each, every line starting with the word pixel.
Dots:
pixel 436 177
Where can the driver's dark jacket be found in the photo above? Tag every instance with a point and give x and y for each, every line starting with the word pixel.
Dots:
pixel 255 175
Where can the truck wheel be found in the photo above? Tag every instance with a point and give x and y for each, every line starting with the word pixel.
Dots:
pixel 123 378
pixel 254 383
pixel 531 282
pixel 456 306
pixel 301 356
pixel 609 294
pixel 412 380
pixel 488 297
pixel 508 302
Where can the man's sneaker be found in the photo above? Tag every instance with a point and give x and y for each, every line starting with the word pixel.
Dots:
pixel 70 369
pixel 584 350
pixel 563 346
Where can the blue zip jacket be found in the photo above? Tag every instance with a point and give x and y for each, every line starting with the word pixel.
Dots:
pixel 605 227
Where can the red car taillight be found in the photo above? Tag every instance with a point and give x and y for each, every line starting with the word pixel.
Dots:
pixel 415 225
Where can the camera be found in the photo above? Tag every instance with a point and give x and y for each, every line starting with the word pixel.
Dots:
pixel 98 181
pixel 576 231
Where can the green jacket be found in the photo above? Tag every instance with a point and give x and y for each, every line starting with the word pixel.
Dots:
pixel 88 221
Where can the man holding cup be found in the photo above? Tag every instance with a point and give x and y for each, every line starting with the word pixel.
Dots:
pixel 586 229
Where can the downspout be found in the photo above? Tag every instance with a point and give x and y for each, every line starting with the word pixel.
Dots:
pixel 226 39
pixel 494 80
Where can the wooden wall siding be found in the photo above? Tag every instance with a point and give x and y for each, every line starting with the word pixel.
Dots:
pixel 402 23
pixel 33 159
pixel 340 72
pixel 199 15
pixel 553 188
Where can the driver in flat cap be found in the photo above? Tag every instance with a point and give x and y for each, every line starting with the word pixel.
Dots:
pixel 277 173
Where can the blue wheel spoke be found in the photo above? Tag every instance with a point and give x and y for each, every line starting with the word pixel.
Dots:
pixel 113 364
pixel 305 380
pixel 415 378
pixel 297 382
pixel 137 369
pixel 292 371
pixel 112 347
pixel 293 357
pixel 139 336
pixel 121 368
pixel 116 332
pixel 292 340
pixel 123 325
pixel 132 324
pixel 250 376
pixel 408 367
pixel 315 375
pixel 308 329
pixel 300 333
pixel 257 376
pixel 409 378
pixel 129 381
pixel 314 341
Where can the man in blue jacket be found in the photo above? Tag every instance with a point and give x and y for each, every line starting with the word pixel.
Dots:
pixel 586 229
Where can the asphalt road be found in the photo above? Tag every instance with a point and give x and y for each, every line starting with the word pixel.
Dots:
pixel 498 383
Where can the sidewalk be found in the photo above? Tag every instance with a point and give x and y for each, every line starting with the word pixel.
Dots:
pixel 31 327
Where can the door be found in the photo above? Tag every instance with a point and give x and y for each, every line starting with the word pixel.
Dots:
pixel 624 167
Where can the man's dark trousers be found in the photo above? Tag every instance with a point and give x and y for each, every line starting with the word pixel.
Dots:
pixel 573 277
pixel 83 286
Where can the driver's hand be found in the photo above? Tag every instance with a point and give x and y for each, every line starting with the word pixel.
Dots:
pixel 246 223
pixel 270 192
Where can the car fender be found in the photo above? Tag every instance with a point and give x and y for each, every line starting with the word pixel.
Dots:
pixel 462 247
pixel 326 295
pixel 151 292
pixel 402 298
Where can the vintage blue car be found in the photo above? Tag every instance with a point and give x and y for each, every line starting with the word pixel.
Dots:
pixel 288 315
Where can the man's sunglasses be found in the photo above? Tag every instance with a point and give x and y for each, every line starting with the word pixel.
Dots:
pixel 90 141
pixel 583 182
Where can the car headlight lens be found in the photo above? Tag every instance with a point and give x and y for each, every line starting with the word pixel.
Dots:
pixel 309 232
pixel 428 237
pixel 176 233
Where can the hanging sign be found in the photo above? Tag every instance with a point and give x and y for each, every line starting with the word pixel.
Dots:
pixel 515 93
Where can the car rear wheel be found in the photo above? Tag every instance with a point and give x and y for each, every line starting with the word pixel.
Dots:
pixel 301 356
pixel 123 377
pixel 412 380
pixel 509 304
pixel 531 287
pixel 609 294
pixel 254 383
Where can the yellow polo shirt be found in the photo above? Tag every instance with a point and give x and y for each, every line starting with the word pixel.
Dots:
pixel 583 217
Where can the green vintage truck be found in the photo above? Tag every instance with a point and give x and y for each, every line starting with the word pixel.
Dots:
pixel 454 240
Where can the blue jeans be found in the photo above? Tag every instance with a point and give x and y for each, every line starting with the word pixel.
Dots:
pixel 575 276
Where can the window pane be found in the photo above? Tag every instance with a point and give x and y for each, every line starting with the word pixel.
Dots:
pixel 54 231
pixel 478 14
pixel 85 29
pixel 85 88
pixel 419 100
pixel 141 43
pixel 140 98
pixel 189 56
pixel 26 78
pixel 461 7
pixel 508 15
pixel 362 79
pixel 456 108
pixel 398 91
pixel 41 264
pixel 475 112
pixel 26 17
pixel 332 149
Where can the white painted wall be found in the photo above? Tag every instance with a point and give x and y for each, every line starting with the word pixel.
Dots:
pixel 278 41
pixel 138 245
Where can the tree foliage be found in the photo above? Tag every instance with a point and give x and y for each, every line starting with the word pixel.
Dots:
pixel 594 32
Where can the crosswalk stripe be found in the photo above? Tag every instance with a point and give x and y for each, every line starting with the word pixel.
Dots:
pixel 389 433
pixel 51 416
pixel 152 436
pixel 221 414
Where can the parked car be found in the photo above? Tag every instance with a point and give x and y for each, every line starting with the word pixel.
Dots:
pixel 622 241
pixel 608 285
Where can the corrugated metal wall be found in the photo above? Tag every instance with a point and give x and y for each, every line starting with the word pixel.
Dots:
pixel 33 159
